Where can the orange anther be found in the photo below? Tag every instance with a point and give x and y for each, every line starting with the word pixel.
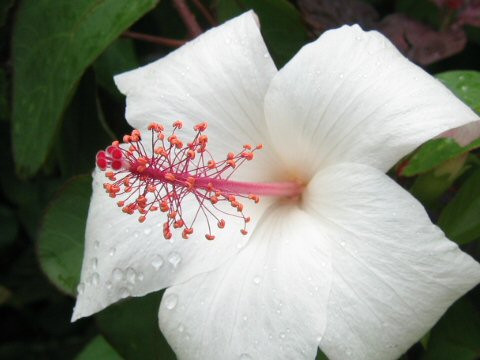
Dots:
pixel 167 235
pixel 191 154
pixel 247 219
pixel 230 156
pixel 211 164
pixel 170 177
pixel 255 198
pixel 142 218
pixel 116 143
pixel 221 224
pixel 121 203
pixel 232 163
pixel 209 236
pixel 141 168
pixel 247 147
pixel 172 215
pixel 164 207
pixel 178 224
pixel 259 147
pixel 161 136
pixel 247 155
pixel 203 139
pixel 127 138
pixel 239 207
pixel 231 198
pixel 151 188
pixel 200 127
pixel 142 160
pixel 178 124
pixel 244 232
pixel 213 200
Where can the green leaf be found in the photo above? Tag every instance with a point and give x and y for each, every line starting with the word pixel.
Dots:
pixel 82 132
pixel 465 85
pixel 460 220
pixel 117 58
pixel 4 107
pixel 98 348
pixel 9 226
pixel 132 328
pixel 434 153
pixel 61 237
pixel 281 24
pixel 456 335
pixel 54 42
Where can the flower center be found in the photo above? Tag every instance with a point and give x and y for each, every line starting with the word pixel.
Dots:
pixel 161 178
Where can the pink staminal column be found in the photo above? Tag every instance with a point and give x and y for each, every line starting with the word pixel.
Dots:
pixel 159 179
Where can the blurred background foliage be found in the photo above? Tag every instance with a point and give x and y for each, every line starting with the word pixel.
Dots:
pixel 58 106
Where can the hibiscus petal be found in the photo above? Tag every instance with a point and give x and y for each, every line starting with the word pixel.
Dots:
pixel 394 272
pixel 220 77
pixel 268 302
pixel 351 96
pixel 126 258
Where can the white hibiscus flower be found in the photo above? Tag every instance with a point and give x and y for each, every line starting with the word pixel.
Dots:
pixel 349 261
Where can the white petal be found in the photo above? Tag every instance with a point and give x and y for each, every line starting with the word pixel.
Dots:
pixel 394 272
pixel 125 258
pixel 221 78
pixel 266 303
pixel 351 96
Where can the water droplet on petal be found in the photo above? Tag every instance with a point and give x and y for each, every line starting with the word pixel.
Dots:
pixel 147 231
pixel 95 279
pixel 117 274
pixel 174 258
pixel 157 262
pixel 81 288
pixel 318 339
pixel 257 280
pixel 464 88
pixel 281 335
pixel 108 284
pixel 171 301
pixel 124 293
pixel 131 275
pixel 94 263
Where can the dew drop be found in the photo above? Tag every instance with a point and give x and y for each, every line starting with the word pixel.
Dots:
pixel 108 284
pixel 95 279
pixel 245 318
pixel 171 301
pixel 131 275
pixel 341 76
pixel 136 234
pixel 342 243
pixel 81 288
pixel 266 55
pixel 257 280
pixel 117 274
pixel 124 293
pixel 281 335
pixel 94 263
pixel 318 339
pixel 174 258
pixel 112 251
pixel 245 356
pixel 464 88
pixel 157 262
pixel 147 231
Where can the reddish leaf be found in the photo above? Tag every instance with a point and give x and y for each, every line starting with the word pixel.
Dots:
pixel 322 15
pixel 419 42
